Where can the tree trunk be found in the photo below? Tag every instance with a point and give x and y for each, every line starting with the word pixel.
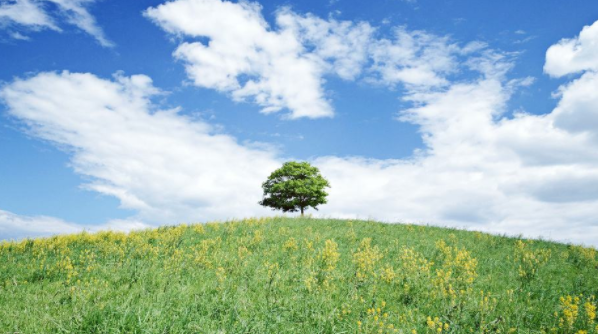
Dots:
pixel 301 211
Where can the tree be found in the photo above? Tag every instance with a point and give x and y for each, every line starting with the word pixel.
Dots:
pixel 294 187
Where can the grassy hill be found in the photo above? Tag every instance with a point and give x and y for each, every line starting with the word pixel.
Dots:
pixel 286 275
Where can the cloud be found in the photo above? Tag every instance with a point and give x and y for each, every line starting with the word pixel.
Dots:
pixel 286 66
pixel 17 35
pixel 476 171
pixel 14 226
pixel 78 15
pixel 481 168
pixel 158 162
pixel 574 55
pixel 34 14
pixel 529 174
pixel 577 111
pixel 413 58
pixel 341 47
pixel 27 13
pixel 244 57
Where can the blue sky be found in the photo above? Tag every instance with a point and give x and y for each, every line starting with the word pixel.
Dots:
pixel 362 113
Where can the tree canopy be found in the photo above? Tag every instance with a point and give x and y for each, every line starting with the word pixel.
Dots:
pixel 294 187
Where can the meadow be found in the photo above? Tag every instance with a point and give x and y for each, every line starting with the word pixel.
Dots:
pixel 296 275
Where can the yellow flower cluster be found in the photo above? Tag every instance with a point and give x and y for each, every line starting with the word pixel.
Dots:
pixel 585 256
pixel 413 264
pixel 243 252
pixel 309 245
pixel 290 245
pixel 199 229
pixel 570 310
pixel 213 226
pixel 436 326
pixel 203 253
pixel 457 272
pixel 487 302
pixel 311 282
pixel 590 309
pixel 66 266
pixel 351 235
pixel 377 321
pixel 530 261
pixel 258 237
pixel 345 312
pixel 329 255
pixel 321 274
pixel 252 222
pixel 366 258
pixel 388 274
pixel 573 315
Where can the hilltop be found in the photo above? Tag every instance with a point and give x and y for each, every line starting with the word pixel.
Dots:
pixel 302 275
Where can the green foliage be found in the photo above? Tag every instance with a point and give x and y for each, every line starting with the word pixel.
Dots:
pixel 294 187
pixel 283 275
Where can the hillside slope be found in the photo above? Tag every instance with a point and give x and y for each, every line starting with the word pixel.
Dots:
pixel 286 275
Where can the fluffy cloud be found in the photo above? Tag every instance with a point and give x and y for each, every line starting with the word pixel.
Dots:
pixel 27 13
pixel 529 174
pixel 34 14
pixel 162 164
pixel 574 55
pixel 577 111
pixel 477 172
pixel 16 227
pixel 340 47
pixel 413 58
pixel 244 57
pixel 285 68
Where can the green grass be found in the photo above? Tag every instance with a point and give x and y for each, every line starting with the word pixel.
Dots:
pixel 286 275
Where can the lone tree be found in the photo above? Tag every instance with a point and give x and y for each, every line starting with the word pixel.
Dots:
pixel 294 187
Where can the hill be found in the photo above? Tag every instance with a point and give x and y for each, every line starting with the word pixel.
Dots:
pixel 285 275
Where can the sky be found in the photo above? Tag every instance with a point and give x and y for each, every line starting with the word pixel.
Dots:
pixel 122 115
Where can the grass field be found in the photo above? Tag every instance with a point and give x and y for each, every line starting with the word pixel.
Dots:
pixel 284 275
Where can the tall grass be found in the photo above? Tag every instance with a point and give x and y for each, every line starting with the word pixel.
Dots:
pixel 285 275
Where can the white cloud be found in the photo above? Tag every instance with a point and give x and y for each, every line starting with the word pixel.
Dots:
pixel 164 165
pixel 414 58
pixel 14 226
pixel 78 15
pixel 17 35
pixel 574 55
pixel 26 12
pixel 479 171
pixel 35 14
pixel 341 47
pixel 286 67
pixel 577 110
pixel 244 57
pixel 529 174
